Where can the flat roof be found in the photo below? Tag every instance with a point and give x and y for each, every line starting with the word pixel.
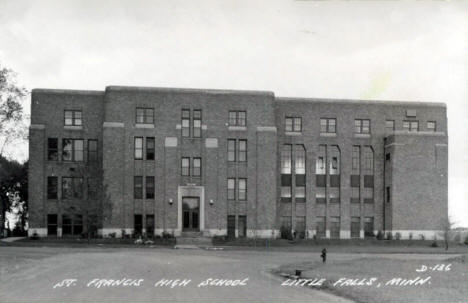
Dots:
pixel 361 102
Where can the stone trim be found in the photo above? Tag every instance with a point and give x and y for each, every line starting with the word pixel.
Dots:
pixel 73 127
pixel 362 136
pixel 266 129
pixel 142 125
pixel 237 128
pixel 170 142
pixel 327 134
pixel 211 142
pixel 293 133
pixel 37 126
pixel 113 124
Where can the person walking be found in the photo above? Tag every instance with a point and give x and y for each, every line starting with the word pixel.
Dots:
pixel 324 255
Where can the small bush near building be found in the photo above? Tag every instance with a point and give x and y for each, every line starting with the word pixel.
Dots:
pixel 398 236
pixel 434 244
pixel 466 240
pixel 167 235
pixel 421 237
pixel 389 236
pixel 286 233
pixel 411 236
pixel 380 235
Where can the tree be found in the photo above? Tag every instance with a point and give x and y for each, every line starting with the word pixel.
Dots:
pixel 447 231
pixel 12 125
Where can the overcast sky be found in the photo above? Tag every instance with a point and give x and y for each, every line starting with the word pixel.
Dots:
pixel 386 50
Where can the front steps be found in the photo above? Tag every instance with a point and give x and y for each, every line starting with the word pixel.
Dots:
pixel 192 240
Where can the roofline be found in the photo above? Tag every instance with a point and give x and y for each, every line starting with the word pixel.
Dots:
pixel 190 90
pixel 362 102
pixel 66 91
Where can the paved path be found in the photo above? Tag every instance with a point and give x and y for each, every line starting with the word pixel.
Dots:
pixel 28 274
pixel 11 239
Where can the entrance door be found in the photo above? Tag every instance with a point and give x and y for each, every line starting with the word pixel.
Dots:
pixel 231 227
pixel 190 213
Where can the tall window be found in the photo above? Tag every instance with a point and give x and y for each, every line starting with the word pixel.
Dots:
pixel 92 150
pixel 387 194
pixel 286 173
pixel 52 149
pixel 138 187
pixel 72 188
pixel 73 118
pixel 196 167
pixel 72 225
pixel 52 224
pixel 185 166
pixel 138 148
pixel 72 150
pixel 327 125
pixel 431 126
pixel 286 222
pixel 369 226
pixel 149 148
pixel 362 126
pixel 92 188
pixel 355 227
pixel 231 150
pixel 149 187
pixel 300 173
pixel 242 151
pixel 237 118
pixel 368 160
pixel 286 159
pixel 242 192
pixel 293 124
pixel 138 224
pixel 320 227
pixel 144 115
pixel 300 160
pixel 368 174
pixel 231 189
pixel 52 187
pixel 186 123
pixel 197 121
pixel 334 227
pixel 412 126
pixel 390 125
pixel 356 162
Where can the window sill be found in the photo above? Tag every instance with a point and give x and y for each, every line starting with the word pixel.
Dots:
pixel 144 125
pixel 327 134
pixel 237 128
pixel 362 135
pixel 293 133
pixel 73 127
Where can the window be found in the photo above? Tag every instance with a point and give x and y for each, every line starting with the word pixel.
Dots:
pixel 52 187
pixel 66 225
pixel 185 166
pixel 387 194
pixel 300 166
pixel 300 194
pixel 237 118
pixel 149 148
pixel 293 124
pixel 355 227
pixel 231 150
pixel 242 193
pixel 149 187
pixel 356 162
pixel 242 150
pixel 92 150
pixel 334 227
pixel 431 126
pixel 185 123
pixel 138 187
pixel 144 115
pixel 52 149
pixel 301 226
pixel 286 193
pixel 77 224
pixel 196 167
pixel 368 195
pixel 231 191
pixel 369 226
pixel 51 224
pixel 138 224
pixel 72 188
pixel 73 118
pixel 355 195
pixel 150 225
pixel 362 126
pixel 412 126
pixel 327 125
pixel 72 150
pixel 320 197
pixel 334 194
pixel 286 156
pixel 320 227
pixel 138 148
pixel 368 160
pixel 197 121
pixel 334 166
pixel 387 157
pixel 92 188
pixel 390 125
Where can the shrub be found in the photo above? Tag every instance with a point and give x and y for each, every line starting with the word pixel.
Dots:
pixel 421 236
pixel 167 235
pixel 466 240
pixel 411 236
pixel 380 235
pixel 389 235
pixel 112 235
pixel 398 236
pixel 286 233
pixel 434 244
pixel 34 236
pixel 301 235
pixel 219 239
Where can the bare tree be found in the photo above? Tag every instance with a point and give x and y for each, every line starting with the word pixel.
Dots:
pixel 447 231
pixel 12 126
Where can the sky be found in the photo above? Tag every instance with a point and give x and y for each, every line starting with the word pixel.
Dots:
pixel 384 50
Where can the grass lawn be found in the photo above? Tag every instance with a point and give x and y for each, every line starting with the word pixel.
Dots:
pixel 443 286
